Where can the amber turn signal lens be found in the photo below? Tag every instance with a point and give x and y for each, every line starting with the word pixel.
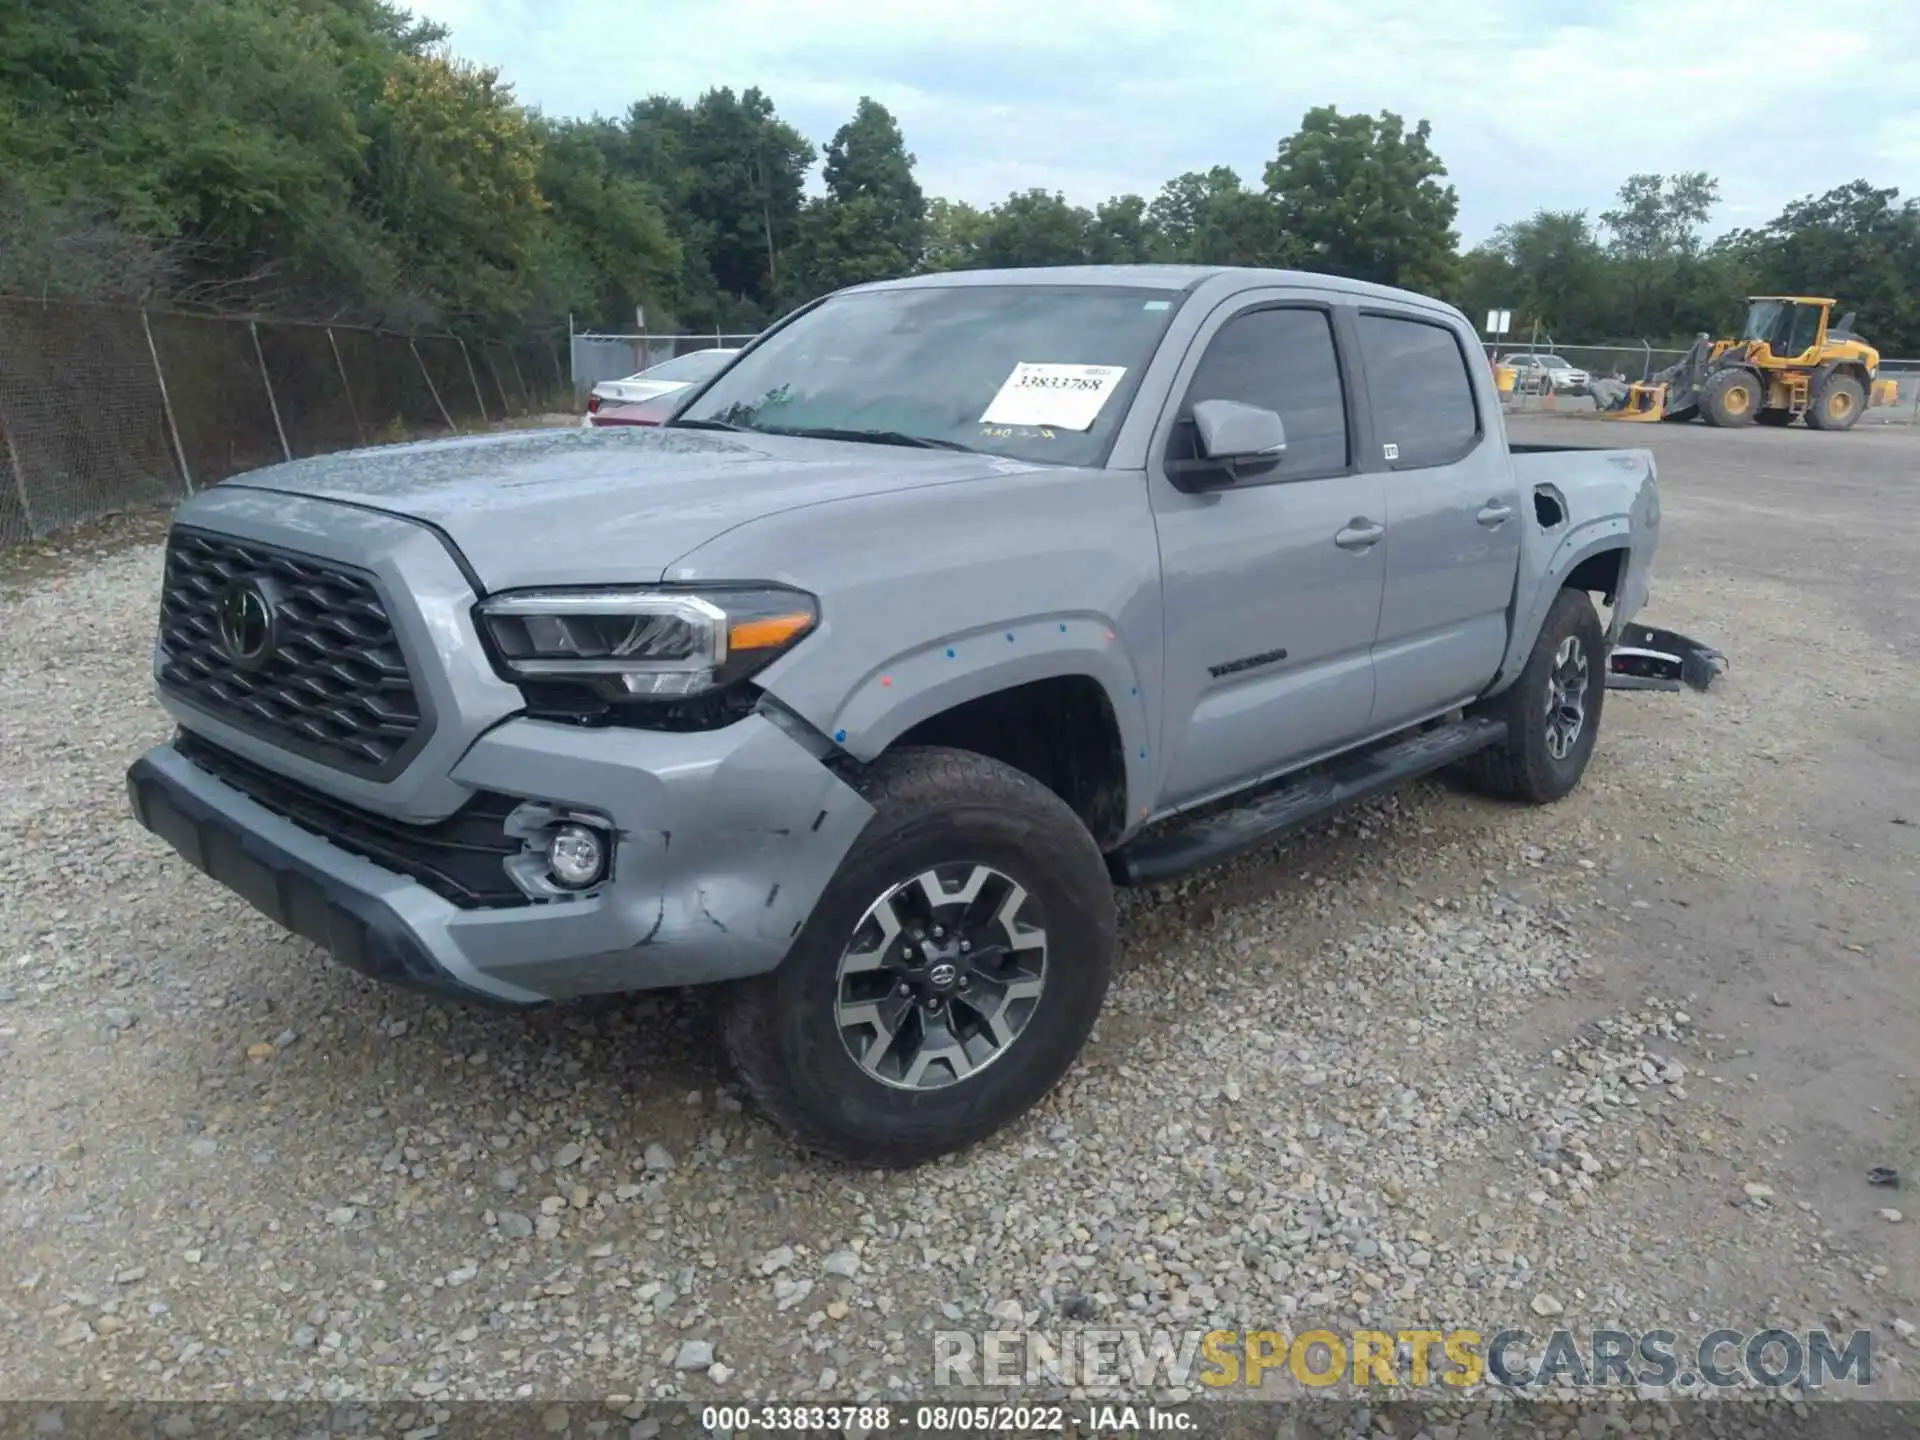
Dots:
pixel 769 632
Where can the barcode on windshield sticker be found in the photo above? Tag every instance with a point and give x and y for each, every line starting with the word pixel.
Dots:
pixel 1068 397
pixel 1156 305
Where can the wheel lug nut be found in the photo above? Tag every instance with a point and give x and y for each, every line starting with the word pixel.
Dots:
pixel 938 931
pixel 905 989
pixel 966 946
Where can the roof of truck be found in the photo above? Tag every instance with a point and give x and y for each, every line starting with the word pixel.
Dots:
pixel 1151 277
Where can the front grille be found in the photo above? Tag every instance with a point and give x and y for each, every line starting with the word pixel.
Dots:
pixel 460 858
pixel 333 685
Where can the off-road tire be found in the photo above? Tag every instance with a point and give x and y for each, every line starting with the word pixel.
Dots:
pixel 1523 767
pixel 1838 390
pixel 1716 397
pixel 932 806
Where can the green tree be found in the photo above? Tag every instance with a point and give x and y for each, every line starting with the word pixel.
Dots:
pixel 956 235
pixel 1560 271
pixel 743 178
pixel 1035 227
pixel 609 248
pixel 867 159
pixel 650 146
pixel 1487 280
pixel 1661 216
pixel 1245 227
pixel 1180 209
pixel 1120 233
pixel 872 222
pixel 1858 243
pixel 1654 230
pixel 1362 196
pixel 455 166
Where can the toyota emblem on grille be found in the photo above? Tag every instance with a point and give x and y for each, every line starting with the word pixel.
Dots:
pixel 247 615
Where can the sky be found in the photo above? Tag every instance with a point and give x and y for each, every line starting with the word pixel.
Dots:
pixel 1101 97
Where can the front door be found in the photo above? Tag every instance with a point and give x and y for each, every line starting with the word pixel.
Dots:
pixel 1453 519
pixel 1272 586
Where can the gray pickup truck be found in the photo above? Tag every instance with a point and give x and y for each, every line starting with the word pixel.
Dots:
pixel 951 603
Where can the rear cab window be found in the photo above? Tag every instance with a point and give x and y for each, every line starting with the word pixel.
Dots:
pixel 1420 390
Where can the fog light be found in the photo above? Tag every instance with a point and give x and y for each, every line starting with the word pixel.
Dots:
pixel 576 856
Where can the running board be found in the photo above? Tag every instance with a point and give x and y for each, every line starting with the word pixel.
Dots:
pixel 1186 845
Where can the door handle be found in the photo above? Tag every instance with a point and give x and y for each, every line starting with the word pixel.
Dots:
pixel 1494 514
pixel 1360 534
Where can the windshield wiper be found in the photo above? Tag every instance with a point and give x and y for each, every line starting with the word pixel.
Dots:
pixel 708 425
pixel 873 437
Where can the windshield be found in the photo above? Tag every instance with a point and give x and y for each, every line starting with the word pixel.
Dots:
pixel 691 367
pixel 1033 372
pixel 1762 319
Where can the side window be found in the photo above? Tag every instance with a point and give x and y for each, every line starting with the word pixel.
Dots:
pixel 1805 329
pixel 1421 394
pixel 1284 361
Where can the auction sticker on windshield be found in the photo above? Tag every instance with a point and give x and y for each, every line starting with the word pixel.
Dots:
pixel 1067 397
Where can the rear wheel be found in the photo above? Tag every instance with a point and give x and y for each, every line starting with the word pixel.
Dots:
pixel 1552 711
pixel 1837 403
pixel 948 976
pixel 1731 398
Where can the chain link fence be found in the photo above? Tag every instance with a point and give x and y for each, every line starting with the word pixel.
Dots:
pixel 599 357
pixel 107 408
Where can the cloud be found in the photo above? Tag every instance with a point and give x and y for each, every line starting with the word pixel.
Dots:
pixel 1097 97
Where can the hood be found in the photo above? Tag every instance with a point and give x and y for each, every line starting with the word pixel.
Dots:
pixel 613 506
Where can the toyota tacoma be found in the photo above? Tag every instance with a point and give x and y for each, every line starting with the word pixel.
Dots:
pixel 857 686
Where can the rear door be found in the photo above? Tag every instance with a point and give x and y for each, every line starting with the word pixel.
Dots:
pixel 1272 586
pixel 1453 517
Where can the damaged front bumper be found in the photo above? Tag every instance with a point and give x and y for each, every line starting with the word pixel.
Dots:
pixel 724 841
pixel 1646 658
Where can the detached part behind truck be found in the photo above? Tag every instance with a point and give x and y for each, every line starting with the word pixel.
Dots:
pixel 858 685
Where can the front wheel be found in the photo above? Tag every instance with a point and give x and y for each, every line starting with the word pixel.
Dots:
pixel 949 975
pixel 1838 403
pixel 1552 711
pixel 1731 398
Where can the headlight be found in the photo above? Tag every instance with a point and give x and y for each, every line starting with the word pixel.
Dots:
pixel 645 644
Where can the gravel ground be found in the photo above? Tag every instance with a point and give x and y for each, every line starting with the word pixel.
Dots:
pixel 1622 1061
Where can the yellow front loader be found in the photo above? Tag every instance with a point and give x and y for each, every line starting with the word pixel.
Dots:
pixel 1788 363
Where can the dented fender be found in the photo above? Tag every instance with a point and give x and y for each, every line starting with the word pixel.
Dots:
pixel 1595 502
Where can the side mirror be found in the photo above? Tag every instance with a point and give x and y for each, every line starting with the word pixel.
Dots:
pixel 1232 440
